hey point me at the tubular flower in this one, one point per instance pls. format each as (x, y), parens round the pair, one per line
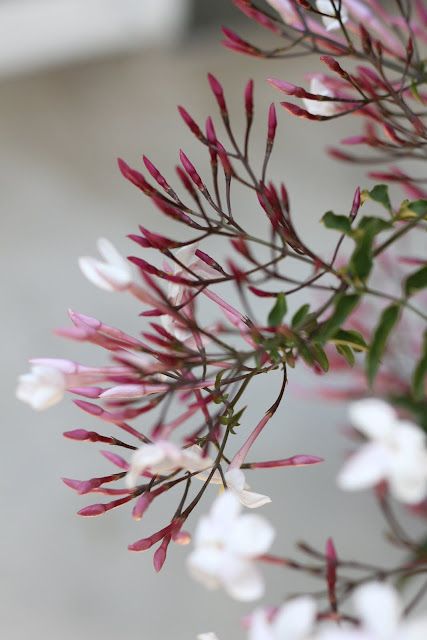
(331, 9)
(396, 452)
(226, 547)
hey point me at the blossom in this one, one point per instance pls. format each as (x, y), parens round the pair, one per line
(227, 544)
(42, 387)
(114, 274)
(207, 636)
(380, 612)
(293, 621)
(319, 107)
(396, 452)
(235, 479)
(164, 457)
(330, 8)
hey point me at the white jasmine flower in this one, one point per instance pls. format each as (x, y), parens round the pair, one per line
(293, 621)
(227, 544)
(164, 457)
(235, 479)
(330, 8)
(207, 636)
(42, 387)
(379, 609)
(396, 452)
(114, 274)
(317, 107)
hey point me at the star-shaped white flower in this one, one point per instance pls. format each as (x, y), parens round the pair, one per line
(227, 544)
(329, 7)
(293, 621)
(396, 452)
(42, 387)
(378, 607)
(114, 274)
(319, 107)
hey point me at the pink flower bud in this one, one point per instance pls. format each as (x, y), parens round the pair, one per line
(218, 93)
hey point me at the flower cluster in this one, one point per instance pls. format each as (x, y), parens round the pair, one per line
(186, 380)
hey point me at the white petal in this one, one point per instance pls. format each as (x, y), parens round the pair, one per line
(110, 254)
(242, 579)
(409, 487)
(112, 275)
(251, 535)
(372, 417)
(260, 628)
(225, 509)
(207, 636)
(378, 606)
(365, 468)
(204, 564)
(42, 388)
(252, 500)
(295, 619)
(235, 479)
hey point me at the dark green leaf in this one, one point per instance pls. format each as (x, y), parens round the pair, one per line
(278, 312)
(339, 223)
(344, 305)
(416, 281)
(387, 321)
(420, 373)
(373, 225)
(300, 315)
(380, 194)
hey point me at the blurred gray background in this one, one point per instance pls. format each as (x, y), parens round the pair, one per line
(78, 89)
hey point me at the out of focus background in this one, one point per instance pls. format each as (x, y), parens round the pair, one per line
(82, 82)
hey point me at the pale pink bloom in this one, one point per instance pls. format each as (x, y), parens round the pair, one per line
(49, 378)
(379, 609)
(164, 457)
(329, 19)
(226, 547)
(396, 452)
(114, 274)
(288, 12)
(294, 620)
(42, 387)
(317, 107)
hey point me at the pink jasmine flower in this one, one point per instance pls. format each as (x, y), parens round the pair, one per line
(329, 8)
(227, 544)
(318, 107)
(114, 274)
(396, 452)
(293, 621)
(42, 387)
(164, 457)
(380, 611)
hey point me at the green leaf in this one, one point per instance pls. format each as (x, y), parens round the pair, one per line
(300, 315)
(346, 353)
(350, 338)
(416, 281)
(320, 356)
(419, 207)
(420, 373)
(340, 223)
(373, 225)
(387, 321)
(380, 194)
(344, 305)
(278, 312)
